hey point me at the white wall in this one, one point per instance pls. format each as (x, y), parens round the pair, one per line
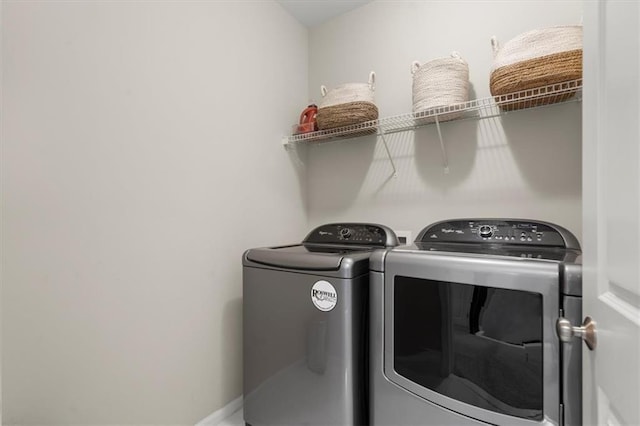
(140, 157)
(526, 164)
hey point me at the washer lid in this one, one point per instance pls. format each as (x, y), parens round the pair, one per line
(345, 262)
(295, 257)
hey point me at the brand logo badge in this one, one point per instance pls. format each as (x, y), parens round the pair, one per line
(324, 296)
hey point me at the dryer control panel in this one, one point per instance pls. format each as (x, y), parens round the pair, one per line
(499, 231)
(364, 234)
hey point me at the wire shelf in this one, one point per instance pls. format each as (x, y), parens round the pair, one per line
(360, 129)
(494, 106)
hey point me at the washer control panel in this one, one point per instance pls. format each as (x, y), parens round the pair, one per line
(499, 231)
(364, 234)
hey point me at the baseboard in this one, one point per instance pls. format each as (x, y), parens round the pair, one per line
(218, 416)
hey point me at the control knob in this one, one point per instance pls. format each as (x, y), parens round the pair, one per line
(345, 232)
(485, 231)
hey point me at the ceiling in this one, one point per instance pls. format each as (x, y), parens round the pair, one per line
(314, 12)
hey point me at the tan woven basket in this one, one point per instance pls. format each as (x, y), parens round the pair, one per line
(536, 59)
(347, 105)
(440, 83)
(347, 114)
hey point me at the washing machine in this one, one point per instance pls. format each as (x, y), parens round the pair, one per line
(305, 327)
(464, 326)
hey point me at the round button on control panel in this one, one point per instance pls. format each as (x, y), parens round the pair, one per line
(485, 231)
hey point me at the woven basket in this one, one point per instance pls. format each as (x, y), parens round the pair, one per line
(347, 114)
(536, 59)
(440, 83)
(347, 104)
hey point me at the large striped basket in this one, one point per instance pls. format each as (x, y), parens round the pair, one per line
(347, 104)
(536, 59)
(439, 83)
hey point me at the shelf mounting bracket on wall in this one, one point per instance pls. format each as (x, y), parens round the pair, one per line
(445, 160)
(386, 147)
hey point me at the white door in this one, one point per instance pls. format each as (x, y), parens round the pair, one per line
(611, 205)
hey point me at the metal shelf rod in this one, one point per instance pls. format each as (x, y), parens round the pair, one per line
(445, 160)
(386, 147)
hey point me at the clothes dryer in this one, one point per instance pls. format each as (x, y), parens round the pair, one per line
(305, 327)
(463, 326)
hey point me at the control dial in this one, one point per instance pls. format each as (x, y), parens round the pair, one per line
(345, 233)
(485, 231)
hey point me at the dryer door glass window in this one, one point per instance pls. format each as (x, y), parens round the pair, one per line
(479, 345)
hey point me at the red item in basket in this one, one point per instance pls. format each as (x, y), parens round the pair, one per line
(308, 120)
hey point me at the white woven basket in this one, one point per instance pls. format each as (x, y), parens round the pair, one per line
(535, 44)
(535, 59)
(438, 83)
(348, 92)
(347, 104)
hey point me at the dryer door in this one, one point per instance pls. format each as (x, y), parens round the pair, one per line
(475, 334)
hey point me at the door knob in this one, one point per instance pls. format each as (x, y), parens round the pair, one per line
(586, 332)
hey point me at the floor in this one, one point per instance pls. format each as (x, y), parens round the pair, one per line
(235, 419)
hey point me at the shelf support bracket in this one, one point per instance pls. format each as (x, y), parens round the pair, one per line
(445, 160)
(386, 148)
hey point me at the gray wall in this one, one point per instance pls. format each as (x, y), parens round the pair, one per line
(140, 156)
(526, 164)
